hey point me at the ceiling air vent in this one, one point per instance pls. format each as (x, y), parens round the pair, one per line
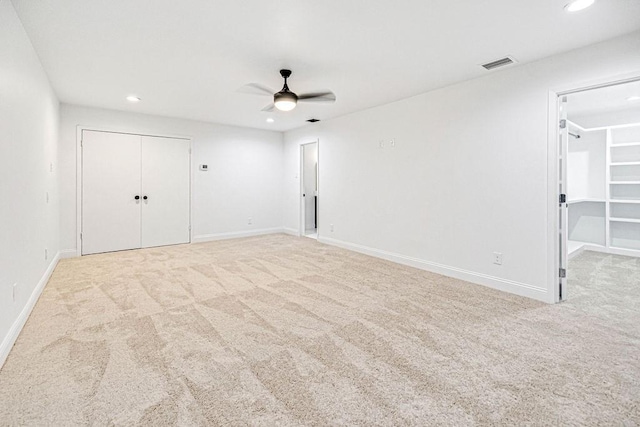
(313, 120)
(499, 63)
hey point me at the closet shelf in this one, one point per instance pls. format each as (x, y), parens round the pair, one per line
(632, 220)
(624, 201)
(571, 202)
(626, 164)
(626, 144)
(624, 182)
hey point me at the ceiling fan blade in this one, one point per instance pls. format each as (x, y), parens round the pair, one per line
(269, 107)
(326, 96)
(256, 89)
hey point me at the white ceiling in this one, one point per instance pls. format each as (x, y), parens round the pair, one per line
(188, 58)
(604, 100)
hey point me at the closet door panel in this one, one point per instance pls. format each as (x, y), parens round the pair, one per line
(165, 183)
(110, 182)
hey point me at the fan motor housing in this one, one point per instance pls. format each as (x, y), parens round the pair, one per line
(285, 96)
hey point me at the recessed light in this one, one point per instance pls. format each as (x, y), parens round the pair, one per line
(270, 120)
(133, 98)
(633, 98)
(577, 5)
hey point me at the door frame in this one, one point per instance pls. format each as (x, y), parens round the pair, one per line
(79, 130)
(302, 219)
(553, 179)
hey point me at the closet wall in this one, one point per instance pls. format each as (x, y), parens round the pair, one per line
(239, 195)
(586, 187)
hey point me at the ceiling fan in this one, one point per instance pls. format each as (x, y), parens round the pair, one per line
(285, 100)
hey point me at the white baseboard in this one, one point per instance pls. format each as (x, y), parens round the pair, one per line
(68, 253)
(291, 231)
(18, 324)
(604, 250)
(501, 284)
(576, 252)
(235, 235)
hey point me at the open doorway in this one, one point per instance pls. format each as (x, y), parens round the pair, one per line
(599, 184)
(309, 190)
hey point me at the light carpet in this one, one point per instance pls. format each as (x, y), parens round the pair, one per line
(278, 330)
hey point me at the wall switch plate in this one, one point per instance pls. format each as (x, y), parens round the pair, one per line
(47, 197)
(497, 258)
(204, 167)
(51, 167)
(250, 221)
(392, 143)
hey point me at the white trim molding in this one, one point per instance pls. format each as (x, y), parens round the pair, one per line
(11, 337)
(236, 234)
(291, 231)
(69, 253)
(602, 249)
(518, 288)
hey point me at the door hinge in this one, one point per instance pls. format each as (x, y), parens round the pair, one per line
(563, 273)
(560, 291)
(563, 198)
(563, 124)
(80, 236)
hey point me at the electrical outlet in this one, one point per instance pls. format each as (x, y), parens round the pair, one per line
(331, 227)
(392, 143)
(250, 221)
(497, 258)
(46, 254)
(381, 144)
(14, 289)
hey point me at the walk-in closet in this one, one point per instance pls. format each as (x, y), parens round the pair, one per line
(603, 170)
(599, 167)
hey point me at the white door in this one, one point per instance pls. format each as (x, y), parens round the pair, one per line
(165, 191)
(110, 184)
(563, 206)
(309, 189)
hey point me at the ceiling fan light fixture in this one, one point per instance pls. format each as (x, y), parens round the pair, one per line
(285, 100)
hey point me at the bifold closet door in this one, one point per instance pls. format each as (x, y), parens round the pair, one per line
(110, 183)
(165, 191)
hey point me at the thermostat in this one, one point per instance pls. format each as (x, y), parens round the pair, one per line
(204, 167)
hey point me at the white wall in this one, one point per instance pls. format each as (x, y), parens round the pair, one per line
(28, 224)
(586, 165)
(244, 178)
(468, 174)
(586, 179)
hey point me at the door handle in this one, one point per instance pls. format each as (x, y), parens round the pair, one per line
(145, 198)
(137, 197)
